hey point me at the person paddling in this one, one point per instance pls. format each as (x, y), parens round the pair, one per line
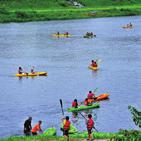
(91, 95)
(36, 128)
(90, 125)
(93, 63)
(20, 70)
(32, 70)
(58, 33)
(66, 127)
(27, 126)
(86, 103)
(74, 103)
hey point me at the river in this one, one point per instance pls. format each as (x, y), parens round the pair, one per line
(66, 60)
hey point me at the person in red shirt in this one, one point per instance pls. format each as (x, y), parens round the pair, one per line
(66, 127)
(36, 128)
(94, 64)
(74, 103)
(90, 125)
(91, 95)
(86, 103)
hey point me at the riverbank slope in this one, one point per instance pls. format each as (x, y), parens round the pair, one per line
(23, 11)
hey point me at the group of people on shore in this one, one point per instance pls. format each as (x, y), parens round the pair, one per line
(28, 130)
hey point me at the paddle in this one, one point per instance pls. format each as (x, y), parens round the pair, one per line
(61, 103)
(98, 61)
(87, 120)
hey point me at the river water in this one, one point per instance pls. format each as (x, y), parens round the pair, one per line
(66, 60)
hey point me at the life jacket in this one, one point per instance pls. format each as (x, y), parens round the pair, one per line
(86, 103)
(90, 123)
(74, 104)
(67, 125)
(36, 128)
(94, 64)
(90, 95)
(90, 101)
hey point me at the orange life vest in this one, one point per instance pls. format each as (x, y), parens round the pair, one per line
(67, 125)
(36, 128)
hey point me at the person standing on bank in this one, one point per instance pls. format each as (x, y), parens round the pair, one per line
(27, 126)
(90, 125)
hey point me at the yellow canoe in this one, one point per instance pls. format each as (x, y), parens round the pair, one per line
(61, 35)
(32, 74)
(93, 68)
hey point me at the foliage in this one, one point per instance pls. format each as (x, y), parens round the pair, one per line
(131, 135)
(136, 115)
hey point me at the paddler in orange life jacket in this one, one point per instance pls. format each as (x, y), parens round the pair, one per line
(74, 103)
(36, 128)
(94, 64)
(90, 125)
(66, 127)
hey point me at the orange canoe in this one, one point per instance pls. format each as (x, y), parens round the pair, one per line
(99, 98)
(102, 97)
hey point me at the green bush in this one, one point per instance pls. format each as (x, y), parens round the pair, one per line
(3, 11)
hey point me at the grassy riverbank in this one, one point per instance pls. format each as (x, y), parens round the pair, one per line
(29, 10)
(122, 135)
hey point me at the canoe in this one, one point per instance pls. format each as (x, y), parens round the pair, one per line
(83, 107)
(99, 98)
(93, 68)
(72, 130)
(91, 36)
(49, 132)
(127, 27)
(61, 35)
(102, 97)
(32, 74)
(97, 135)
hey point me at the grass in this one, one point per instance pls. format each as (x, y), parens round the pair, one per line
(122, 135)
(42, 10)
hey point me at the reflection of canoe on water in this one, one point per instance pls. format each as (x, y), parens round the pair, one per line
(61, 35)
(32, 74)
(93, 68)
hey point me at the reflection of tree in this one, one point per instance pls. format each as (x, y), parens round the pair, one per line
(136, 115)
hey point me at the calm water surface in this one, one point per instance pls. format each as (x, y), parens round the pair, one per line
(66, 61)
